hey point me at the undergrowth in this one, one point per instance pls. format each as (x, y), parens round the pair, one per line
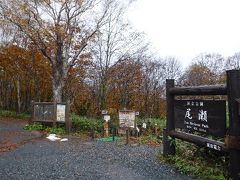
(199, 162)
(150, 140)
(13, 114)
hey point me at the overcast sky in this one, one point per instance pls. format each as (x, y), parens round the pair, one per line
(186, 28)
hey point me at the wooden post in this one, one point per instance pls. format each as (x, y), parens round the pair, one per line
(156, 130)
(55, 115)
(93, 133)
(233, 90)
(113, 133)
(127, 136)
(106, 128)
(31, 119)
(168, 145)
(68, 120)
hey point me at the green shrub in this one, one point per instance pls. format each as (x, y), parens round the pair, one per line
(13, 114)
(58, 130)
(35, 126)
(40, 127)
(86, 124)
(78, 124)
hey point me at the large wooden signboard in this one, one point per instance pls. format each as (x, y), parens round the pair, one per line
(204, 116)
(50, 112)
(45, 112)
(126, 118)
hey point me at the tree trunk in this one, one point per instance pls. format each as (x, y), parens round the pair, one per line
(37, 87)
(58, 85)
(103, 95)
(18, 96)
(125, 95)
(59, 77)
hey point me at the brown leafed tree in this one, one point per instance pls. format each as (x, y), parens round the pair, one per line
(124, 86)
(59, 29)
(20, 78)
(197, 75)
(213, 61)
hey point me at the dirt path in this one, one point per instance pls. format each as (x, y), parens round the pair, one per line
(13, 136)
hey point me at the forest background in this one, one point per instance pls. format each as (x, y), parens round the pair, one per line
(88, 53)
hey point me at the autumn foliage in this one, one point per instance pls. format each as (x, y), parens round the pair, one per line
(86, 52)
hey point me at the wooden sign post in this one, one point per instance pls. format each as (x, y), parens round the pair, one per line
(106, 129)
(127, 121)
(233, 91)
(205, 117)
(106, 118)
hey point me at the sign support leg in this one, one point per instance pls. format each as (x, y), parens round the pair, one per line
(55, 115)
(68, 120)
(127, 136)
(233, 90)
(168, 145)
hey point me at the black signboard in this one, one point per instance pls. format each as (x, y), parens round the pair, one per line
(204, 116)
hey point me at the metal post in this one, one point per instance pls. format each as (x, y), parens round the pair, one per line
(233, 90)
(168, 145)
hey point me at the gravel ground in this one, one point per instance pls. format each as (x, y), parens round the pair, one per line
(38, 158)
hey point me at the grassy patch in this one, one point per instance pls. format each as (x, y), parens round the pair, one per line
(13, 114)
(57, 130)
(198, 162)
(41, 127)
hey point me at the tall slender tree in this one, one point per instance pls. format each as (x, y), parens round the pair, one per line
(116, 42)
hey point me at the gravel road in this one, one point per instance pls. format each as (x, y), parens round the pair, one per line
(28, 155)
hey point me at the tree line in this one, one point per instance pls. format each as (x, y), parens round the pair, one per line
(85, 51)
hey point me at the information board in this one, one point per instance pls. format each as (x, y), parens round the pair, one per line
(204, 116)
(61, 112)
(126, 118)
(43, 112)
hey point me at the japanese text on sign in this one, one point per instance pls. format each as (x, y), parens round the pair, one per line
(214, 146)
(201, 116)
